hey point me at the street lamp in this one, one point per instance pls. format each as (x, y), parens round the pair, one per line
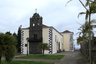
(27, 44)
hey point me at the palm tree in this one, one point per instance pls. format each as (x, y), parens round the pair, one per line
(84, 30)
(7, 46)
(91, 4)
(43, 46)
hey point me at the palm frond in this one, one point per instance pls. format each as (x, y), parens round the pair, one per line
(78, 23)
(94, 26)
(68, 2)
(81, 13)
(87, 12)
(87, 3)
(79, 40)
(93, 21)
(93, 8)
(77, 33)
(82, 4)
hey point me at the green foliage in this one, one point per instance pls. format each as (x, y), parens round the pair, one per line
(14, 34)
(10, 53)
(85, 31)
(25, 62)
(7, 46)
(79, 40)
(43, 57)
(43, 46)
(19, 39)
(8, 33)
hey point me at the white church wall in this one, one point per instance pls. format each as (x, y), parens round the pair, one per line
(61, 42)
(26, 35)
(45, 35)
(66, 41)
(45, 38)
(56, 39)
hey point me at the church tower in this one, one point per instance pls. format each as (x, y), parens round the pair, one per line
(35, 34)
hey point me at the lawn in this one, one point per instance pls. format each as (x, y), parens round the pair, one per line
(36, 56)
(24, 62)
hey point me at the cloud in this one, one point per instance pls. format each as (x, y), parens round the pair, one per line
(13, 13)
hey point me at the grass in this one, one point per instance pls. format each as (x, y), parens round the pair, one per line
(24, 62)
(36, 56)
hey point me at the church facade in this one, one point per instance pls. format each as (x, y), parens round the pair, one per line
(38, 32)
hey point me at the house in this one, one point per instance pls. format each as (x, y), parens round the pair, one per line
(68, 40)
(38, 32)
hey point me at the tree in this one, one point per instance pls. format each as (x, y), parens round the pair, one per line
(15, 36)
(83, 35)
(7, 46)
(19, 39)
(90, 7)
(8, 33)
(79, 40)
(84, 29)
(43, 46)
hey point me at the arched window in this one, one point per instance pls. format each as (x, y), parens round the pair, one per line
(35, 36)
(33, 24)
(38, 24)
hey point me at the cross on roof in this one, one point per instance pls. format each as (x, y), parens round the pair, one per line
(36, 10)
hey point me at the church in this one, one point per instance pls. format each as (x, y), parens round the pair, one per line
(38, 32)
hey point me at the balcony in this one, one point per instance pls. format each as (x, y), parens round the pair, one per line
(35, 40)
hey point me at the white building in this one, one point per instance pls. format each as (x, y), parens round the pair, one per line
(58, 41)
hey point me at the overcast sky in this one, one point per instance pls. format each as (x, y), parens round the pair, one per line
(14, 13)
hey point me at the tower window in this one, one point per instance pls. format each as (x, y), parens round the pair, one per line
(38, 24)
(94, 42)
(33, 24)
(35, 36)
(25, 45)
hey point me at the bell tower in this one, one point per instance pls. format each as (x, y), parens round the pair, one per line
(35, 34)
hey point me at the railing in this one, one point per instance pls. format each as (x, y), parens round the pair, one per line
(35, 40)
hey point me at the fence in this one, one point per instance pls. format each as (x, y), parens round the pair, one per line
(85, 48)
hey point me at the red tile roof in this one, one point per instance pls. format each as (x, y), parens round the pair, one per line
(67, 31)
(44, 26)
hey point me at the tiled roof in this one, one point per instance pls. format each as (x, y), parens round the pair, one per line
(67, 31)
(44, 26)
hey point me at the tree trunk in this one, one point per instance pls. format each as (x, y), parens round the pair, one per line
(0, 59)
(43, 52)
(90, 55)
(87, 50)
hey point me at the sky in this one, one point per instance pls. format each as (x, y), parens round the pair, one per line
(14, 13)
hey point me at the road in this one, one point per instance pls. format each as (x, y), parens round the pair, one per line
(72, 58)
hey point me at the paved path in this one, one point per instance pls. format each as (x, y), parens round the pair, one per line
(70, 58)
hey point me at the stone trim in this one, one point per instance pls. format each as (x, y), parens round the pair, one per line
(50, 40)
(71, 42)
(22, 41)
